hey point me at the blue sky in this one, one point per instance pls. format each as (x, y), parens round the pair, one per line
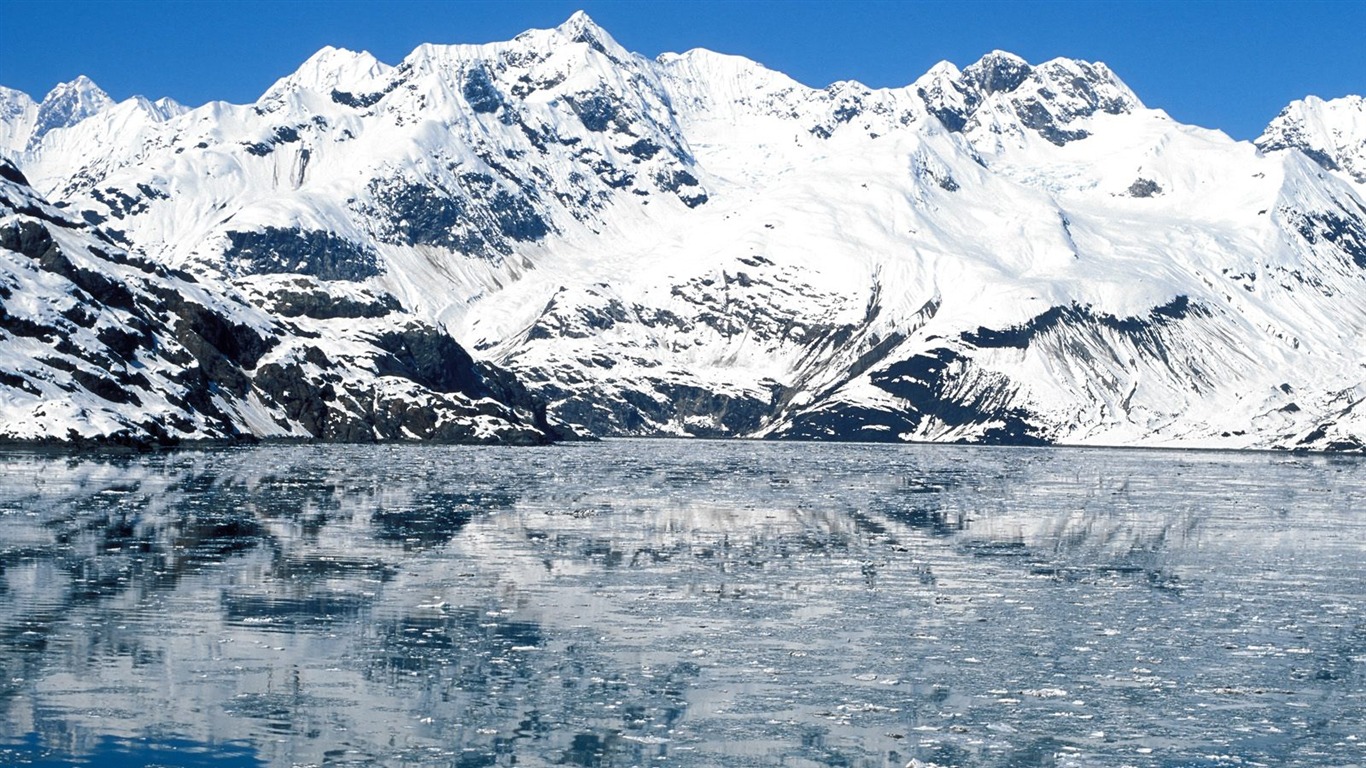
(1228, 65)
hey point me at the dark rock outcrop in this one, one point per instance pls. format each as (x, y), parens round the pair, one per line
(143, 356)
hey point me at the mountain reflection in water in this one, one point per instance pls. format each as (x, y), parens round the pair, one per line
(696, 603)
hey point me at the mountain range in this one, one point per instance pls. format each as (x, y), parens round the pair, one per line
(553, 237)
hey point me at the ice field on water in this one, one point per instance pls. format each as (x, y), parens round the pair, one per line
(672, 602)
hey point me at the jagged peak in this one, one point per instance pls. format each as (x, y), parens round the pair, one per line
(579, 28)
(1043, 96)
(1312, 106)
(939, 81)
(14, 96)
(81, 87)
(1004, 72)
(1331, 132)
(579, 22)
(331, 57)
(998, 71)
(69, 103)
(352, 63)
(1001, 55)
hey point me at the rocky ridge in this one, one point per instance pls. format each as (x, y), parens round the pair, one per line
(101, 345)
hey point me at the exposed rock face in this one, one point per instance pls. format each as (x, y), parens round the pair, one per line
(1331, 133)
(99, 345)
(68, 104)
(274, 251)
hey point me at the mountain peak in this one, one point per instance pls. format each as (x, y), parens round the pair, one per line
(332, 56)
(1045, 98)
(161, 110)
(69, 103)
(13, 102)
(330, 68)
(579, 23)
(579, 28)
(998, 71)
(169, 107)
(1331, 132)
(80, 87)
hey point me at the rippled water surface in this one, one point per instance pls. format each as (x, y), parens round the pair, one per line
(682, 603)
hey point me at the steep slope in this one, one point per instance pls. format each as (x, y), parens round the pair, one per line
(697, 245)
(18, 114)
(1331, 133)
(98, 344)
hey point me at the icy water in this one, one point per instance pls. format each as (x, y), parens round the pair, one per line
(682, 603)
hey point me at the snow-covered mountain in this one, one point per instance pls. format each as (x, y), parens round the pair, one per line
(1331, 133)
(24, 122)
(698, 245)
(104, 346)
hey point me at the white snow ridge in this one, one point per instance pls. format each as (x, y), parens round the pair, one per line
(693, 245)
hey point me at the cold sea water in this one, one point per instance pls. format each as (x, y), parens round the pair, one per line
(682, 603)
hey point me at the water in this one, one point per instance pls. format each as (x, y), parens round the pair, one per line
(682, 603)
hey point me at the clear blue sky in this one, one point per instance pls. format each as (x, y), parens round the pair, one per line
(1228, 65)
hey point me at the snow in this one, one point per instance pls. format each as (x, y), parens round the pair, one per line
(18, 114)
(1332, 132)
(838, 223)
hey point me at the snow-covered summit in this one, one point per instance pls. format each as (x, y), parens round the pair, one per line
(24, 123)
(1332, 133)
(163, 108)
(1001, 93)
(331, 69)
(68, 104)
(579, 28)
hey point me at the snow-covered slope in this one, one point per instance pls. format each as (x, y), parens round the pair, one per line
(1332, 133)
(699, 245)
(18, 114)
(100, 345)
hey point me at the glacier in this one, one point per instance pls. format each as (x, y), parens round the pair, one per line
(696, 245)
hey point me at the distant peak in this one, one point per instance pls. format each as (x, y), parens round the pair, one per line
(998, 71)
(329, 53)
(1330, 132)
(1092, 82)
(330, 60)
(328, 69)
(69, 103)
(11, 100)
(998, 55)
(578, 22)
(81, 85)
(579, 28)
(164, 108)
(943, 70)
(578, 18)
